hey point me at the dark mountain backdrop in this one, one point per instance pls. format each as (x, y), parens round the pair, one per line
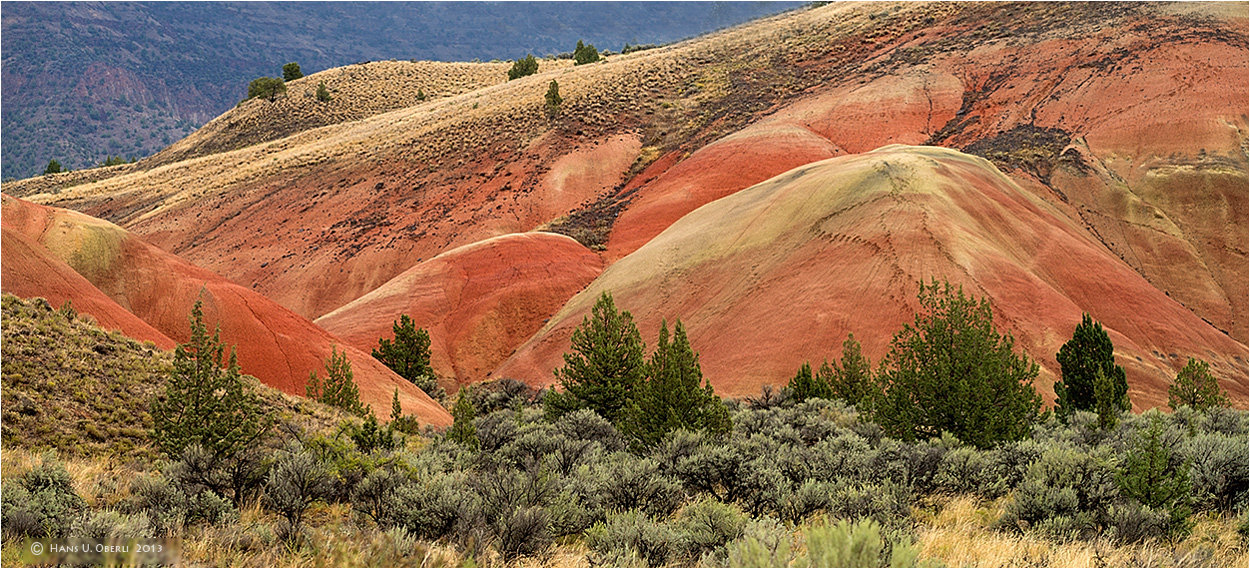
(86, 80)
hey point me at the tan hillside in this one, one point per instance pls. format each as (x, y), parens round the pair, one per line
(1126, 121)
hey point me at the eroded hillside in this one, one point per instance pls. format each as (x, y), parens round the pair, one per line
(1121, 130)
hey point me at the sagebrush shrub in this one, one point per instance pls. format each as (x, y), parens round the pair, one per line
(296, 480)
(108, 525)
(627, 482)
(706, 526)
(632, 535)
(858, 544)
(42, 502)
(1218, 471)
(523, 532)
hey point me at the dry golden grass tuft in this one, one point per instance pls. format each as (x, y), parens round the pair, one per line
(959, 534)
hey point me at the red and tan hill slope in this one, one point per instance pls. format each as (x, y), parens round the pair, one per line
(1017, 83)
(1126, 122)
(274, 344)
(478, 302)
(781, 272)
(29, 271)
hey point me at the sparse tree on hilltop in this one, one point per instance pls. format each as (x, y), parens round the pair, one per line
(323, 94)
(266, 88)
(54, 167)
(553, 98)
(523, 67)
(291, 72)
(585, 53)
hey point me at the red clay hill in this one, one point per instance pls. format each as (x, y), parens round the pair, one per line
(1124, 123)
(478, 302)
(29, 271)
(273, 344)
(781, 272)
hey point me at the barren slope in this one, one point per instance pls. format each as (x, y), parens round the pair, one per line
(1017, 83)
(478, 302)
(779, 273)
(1127, 123)
(274, 344)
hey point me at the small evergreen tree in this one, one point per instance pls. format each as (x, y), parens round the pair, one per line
(291, 72)
(206, 401)
(851, 380)
(553, 98)
(54, 167)
(1153, 478)
(951, 371)
(406, 424)
(462, 429)
(1080, 358)
(266, 88)
(409, 356)
(1106, 403)
(339, 388)
(674, 395)
(323, 94)
(585, 53)
(605, 366)
(1196, 387)
(804, 385)
(420, 95)
(523, 67)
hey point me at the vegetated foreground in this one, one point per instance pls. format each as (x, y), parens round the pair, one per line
(790, 484)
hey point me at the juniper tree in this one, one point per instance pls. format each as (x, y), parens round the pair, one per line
(585, 53)
(338, 389)
(409, 356)
(952, 371)
(806, 385)
(291, 72)
(54, 167)
(266, 88)
(1196, 387)
(851, 380)
(674, 395)
(206, 401)
(462, 429)
(523, 67)
(605, 366)
(553, 98)
(323, 94)
(1080, 359)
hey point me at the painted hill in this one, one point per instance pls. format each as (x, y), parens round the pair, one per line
(478, 302)
(30, 271)
(779, 273)
(273, 344)
(1124, 124)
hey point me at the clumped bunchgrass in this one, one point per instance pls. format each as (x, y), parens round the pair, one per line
(71, 386)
